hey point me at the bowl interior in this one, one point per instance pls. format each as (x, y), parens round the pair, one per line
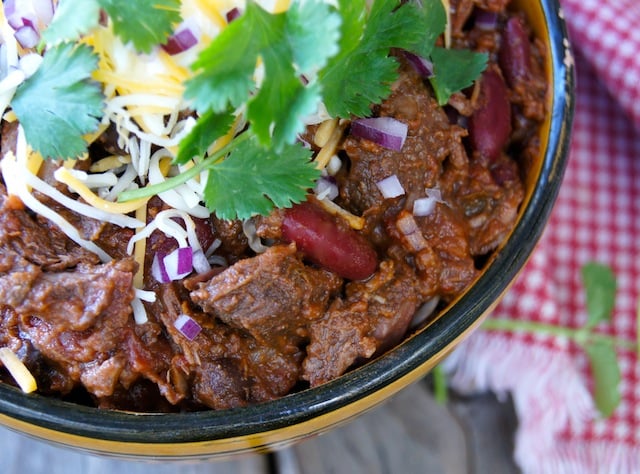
(268, 425)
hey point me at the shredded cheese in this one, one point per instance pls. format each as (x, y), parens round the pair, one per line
(328, 151)
(324, 132)
(140, 249)
(64, 176)
(18, 370)
(355, 222)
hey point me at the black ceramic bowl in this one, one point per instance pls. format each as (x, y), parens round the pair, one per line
(294, 417)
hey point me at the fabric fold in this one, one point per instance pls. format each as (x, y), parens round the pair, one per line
(595, 218)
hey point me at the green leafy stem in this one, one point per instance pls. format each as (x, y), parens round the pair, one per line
(170, 183)
(601, 349)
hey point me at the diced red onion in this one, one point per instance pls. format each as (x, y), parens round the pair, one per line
(34, 13)
(422, 66)
(27, 36)
(179, 263)
(424, 206)
(187, 326)
(232, 14)
(385, 131)
(180, 41)
(485, 20)
(390, 187)
(200, 262)
(326, 188)
(158, 270)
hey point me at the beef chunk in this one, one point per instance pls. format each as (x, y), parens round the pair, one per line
(224, 367)
(374, 316)
(273, 296)
(72, 300)
(22, 234)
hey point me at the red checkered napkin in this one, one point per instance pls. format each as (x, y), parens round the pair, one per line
(596, 218)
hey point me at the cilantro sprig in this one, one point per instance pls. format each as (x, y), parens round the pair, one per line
(143, 23)
(599, 285)
(60, 103)
(274, 68)
(311, 53)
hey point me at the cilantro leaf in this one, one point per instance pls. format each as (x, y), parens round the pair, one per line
(364, 71)
(606, 375)
(145, 23)
(290, 44)
(252, 180)
(312, 31)
(225, 80)
(70, 22)
(454, 70)
(60, 103)
(209, 127)
(600, 291)
(277, 111)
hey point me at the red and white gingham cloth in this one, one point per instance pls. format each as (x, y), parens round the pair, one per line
(596, 218)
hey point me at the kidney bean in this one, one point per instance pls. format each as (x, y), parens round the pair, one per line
(490, 124)
(337, 248)
(515, 52)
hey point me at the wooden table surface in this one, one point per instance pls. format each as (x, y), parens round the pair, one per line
(411, 433)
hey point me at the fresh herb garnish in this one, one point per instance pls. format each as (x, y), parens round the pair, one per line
(599, 284)
(454, 70)
(144, 23)
(267, 180)
(276, 68)
(362, 73)
(60, 103)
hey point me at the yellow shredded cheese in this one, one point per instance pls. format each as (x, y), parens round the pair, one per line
(109, 163)
(281, 6)
(18, 370)
(212, 8)
(139, 249)
(324, 132)
(324, 155)
(355, 222)
(64, 176)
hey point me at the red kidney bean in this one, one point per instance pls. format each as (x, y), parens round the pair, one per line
(337, 248)
(515, 52)
(490, 124)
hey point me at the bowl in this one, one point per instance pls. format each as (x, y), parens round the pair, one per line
(270, 425)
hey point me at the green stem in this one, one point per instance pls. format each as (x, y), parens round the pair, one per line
(183, 177)
(439, 385)
(577, 335)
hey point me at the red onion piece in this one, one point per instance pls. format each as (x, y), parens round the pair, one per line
(385, 131)
(158, 270)
(423, 66)
(180, 41)
(35, 13)
(390, 187)
(187, 326)
(232, 14)
(27, 36)
(485, 20)
(179, 263)
(200, 262)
